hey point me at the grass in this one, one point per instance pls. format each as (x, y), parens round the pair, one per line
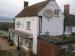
(64, 53)
(3, 33)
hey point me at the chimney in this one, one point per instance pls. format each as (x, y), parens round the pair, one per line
(50, 0)
(66, 9)
(25, 4)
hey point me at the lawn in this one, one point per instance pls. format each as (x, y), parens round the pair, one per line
(4, 33)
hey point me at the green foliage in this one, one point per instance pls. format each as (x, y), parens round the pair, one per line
(70, 38)
(4, 26)
(5, 53)
(47, 33)
(64, 53)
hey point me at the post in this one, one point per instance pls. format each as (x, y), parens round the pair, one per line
(18, 47)
(9, 36)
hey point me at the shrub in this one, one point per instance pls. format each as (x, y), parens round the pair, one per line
(64, 53)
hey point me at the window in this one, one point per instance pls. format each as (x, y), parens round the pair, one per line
(28, 25)
(18, 24)
(28, 43)
(64, 47)
(57, 12)
(21, 41)
(69, 30)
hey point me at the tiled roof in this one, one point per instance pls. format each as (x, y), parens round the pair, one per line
(22, 34)
(69, 20)
(32, 10)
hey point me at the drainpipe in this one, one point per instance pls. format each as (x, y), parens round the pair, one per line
(13, 24)
(64, 29)
(40, 24)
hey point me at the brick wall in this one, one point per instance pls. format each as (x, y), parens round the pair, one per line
(47, 49)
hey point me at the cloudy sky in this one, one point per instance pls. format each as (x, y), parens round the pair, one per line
(10, 8)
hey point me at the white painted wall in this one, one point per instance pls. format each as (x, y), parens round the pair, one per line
(33, 31)
(23, 21)
(68, 33)
(16, 39)
(73, 29)
(55, 25)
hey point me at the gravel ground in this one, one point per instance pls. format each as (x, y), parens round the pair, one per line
(4, 45)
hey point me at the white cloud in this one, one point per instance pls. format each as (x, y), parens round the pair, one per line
(12, 7)
(61, 4)
(33, 1)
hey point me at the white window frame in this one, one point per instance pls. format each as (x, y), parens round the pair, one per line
(69, 29)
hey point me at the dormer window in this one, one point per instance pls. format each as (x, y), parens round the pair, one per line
(57, 12)
(28, 25)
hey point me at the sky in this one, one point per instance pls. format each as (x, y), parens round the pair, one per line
(10, 8)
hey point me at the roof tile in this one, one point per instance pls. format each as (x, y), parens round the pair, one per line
(32, 10)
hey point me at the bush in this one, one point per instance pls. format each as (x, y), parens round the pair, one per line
(5, 26)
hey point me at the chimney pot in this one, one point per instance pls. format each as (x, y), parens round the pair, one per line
(25, 4)
(66, 9)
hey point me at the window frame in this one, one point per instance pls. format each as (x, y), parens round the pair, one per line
(28, 25)
(69, 29)
(56, 12)
(18, 24)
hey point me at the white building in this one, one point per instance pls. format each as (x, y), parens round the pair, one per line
(69, 24)
(43, 18)
(69, 21)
